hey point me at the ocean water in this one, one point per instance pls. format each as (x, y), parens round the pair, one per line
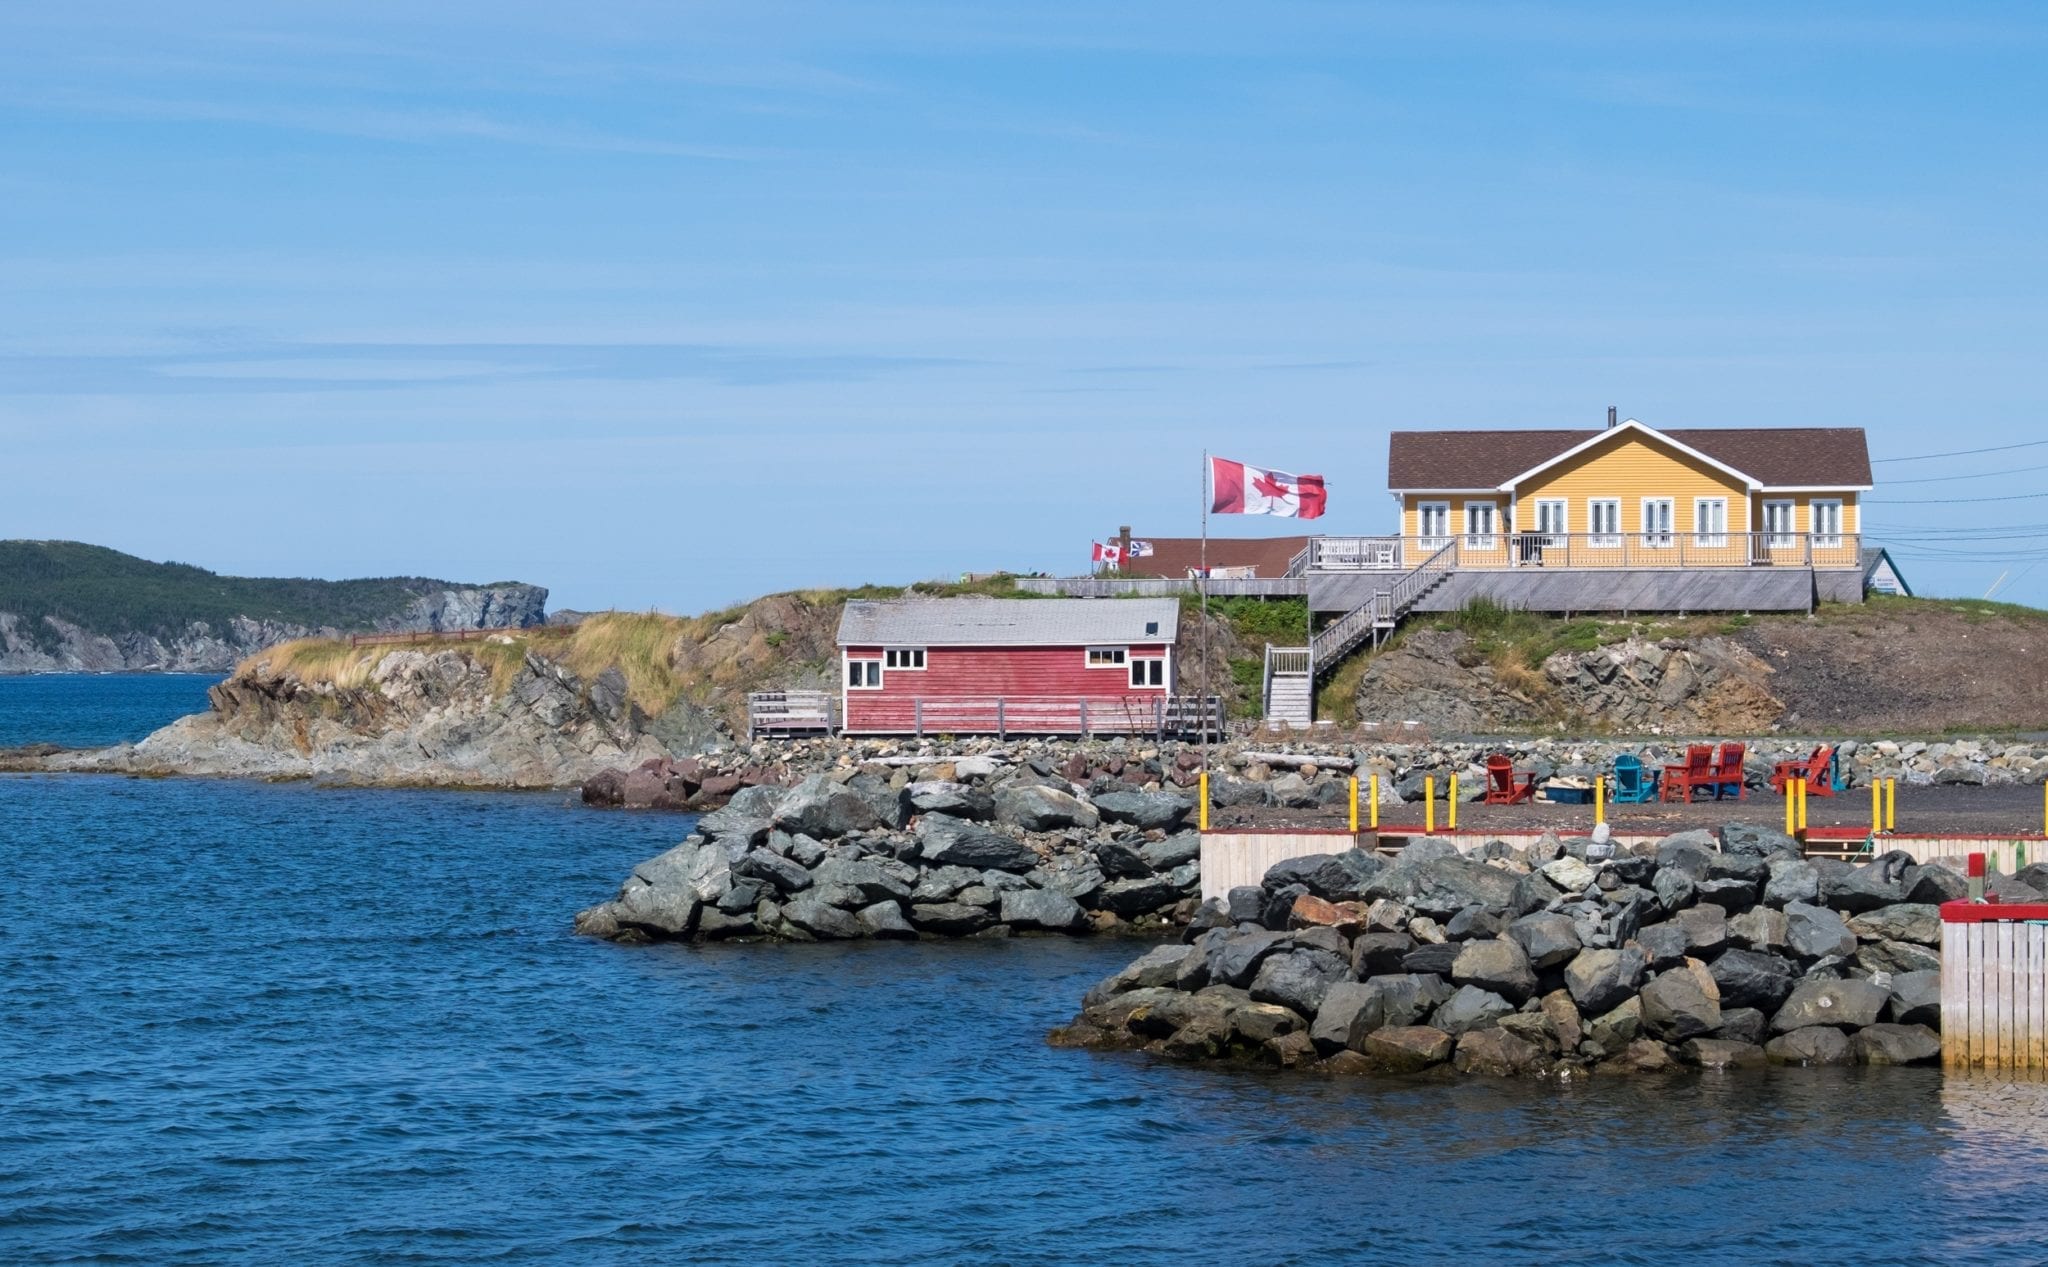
(250, 1023)
(83, 710)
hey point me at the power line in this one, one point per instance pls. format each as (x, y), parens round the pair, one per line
(1985, 475)
(1963, 453)
(1954, 501)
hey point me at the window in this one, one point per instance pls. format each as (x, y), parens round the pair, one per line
(1778, 530)
(1551, 521)
(1710, 521)
(1482, 520)
(1432, 523)
(864, 675)
(1148, 671)
(904, 657)
(1827, 523)
(1603, 520)
(1106, 657)
(1657, 521)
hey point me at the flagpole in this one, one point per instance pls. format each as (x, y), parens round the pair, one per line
(1202, 702)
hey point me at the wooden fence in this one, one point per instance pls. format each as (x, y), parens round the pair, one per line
(1994, 985)
(410, 637)
(790, 713)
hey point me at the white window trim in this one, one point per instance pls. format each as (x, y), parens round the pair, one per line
(1482, 540)
(890, 653)
(1785, 540)
(1163, 659)
(846, 672)
(1667, 538)
(1564, 516)
(1428, 540)
(1828, 540)
(1704, 538)
(1122, 657)
(1595, 537)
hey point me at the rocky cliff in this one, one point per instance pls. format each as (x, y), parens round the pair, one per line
(68, 608)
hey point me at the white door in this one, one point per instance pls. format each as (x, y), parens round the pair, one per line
(1657, 521)
(1710, 521)
(1778, 532)
(1432, 524)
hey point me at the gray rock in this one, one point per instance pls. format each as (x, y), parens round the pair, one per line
(1398, 1000)
(1548, 939)
(884, 921)
(1159, 966)
(1896, 1045)
(1934, 884)
(1499, 965)
(1468, 1008)
(1041, 908)
(1897, 956)
(1849, 1004)
(1132, 898)
(1495, 1052)
(1239, 959)
(1147, 811)
(1720, 1053)
(1405, 1048)
(1297, 979)
(1908, 921)
(1761, 929)
(1442, 887)
(1172, 852)
(1120, 861)
(1815, 932)
(874, 883)
(1760, 842)
(1436, 959)
(1859, 889)
(950, 919)
(1792, 880)
(1331, 1028)
(730, 825)
(1474, 923)
(774, 869)
(1618, 1028)
(824, 809)
(1706, 929)
(805, 852)
(947, 840)
(1037, 808)
(1814, 1045)
(820, 920)
(1664, 944)
(1682, 1003)
(954, 799)
(1753, 978)
(941, 883)
(1328, 876)
(1675, 889)
(1600, 979)
(1375, 953)
(1730, 894)
(1916, 999)
(758, 800)
(1743, 1025)
(1246, 904)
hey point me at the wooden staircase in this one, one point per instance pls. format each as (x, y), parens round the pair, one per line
(1376, 617)
(1290, 690)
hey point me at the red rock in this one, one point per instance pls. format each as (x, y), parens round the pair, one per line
(717, 787)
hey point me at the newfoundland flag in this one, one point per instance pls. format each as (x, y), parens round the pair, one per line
(1237, 489)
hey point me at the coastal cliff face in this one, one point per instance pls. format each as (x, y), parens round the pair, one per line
(202, 646)
(441, 718)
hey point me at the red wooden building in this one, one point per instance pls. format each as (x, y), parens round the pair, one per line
(1001, 665)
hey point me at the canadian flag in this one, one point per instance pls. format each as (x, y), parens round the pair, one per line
(1250, 490)
(1110, 554)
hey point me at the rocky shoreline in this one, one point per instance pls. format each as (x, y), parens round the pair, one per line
(1707, 949)
(988, 850)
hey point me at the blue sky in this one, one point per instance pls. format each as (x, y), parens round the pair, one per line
(668, 304)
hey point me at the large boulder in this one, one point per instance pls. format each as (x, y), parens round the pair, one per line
(821, 920)
(1441, 887)
(1159, 966)
(734, 826)
(1140, 896)
(826, 810)
(1599, 979)
(1405, 1048)
(1682, 1003)
(1376, 953)
(1035, 808)
(1498, 964)
(1815, 932)
(884, 921)
(1172, 852)
(1887, 1044)
(1048, 909)
(1753, 978)
(1850, 1004)
(1791, 880)
(1297, 979)
(1548, 938)
(950, 919)
(1915, 922)
(1916, 999)
(1858, 889)
(1332, 877)
(1933, 884)
(1758, 842)
(1395, 1000)
(1470, 1007)
(774, 869)
(1147, 811)
(1761, 928)
(1898, 956)
(1331, 1028)
(1496, 1052)
(874, 883)
(1237, 961)
(951, 841)
(955, 799)
(1814, 1045)
(1706, 928)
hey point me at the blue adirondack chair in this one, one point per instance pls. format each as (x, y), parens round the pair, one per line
(1633, 785)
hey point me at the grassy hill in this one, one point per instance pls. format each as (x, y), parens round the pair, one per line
(112, 593)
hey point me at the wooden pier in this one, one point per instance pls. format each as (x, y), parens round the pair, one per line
(1994, 985)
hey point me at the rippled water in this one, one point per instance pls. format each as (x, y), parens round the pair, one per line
(273, 1023)
(81, 710)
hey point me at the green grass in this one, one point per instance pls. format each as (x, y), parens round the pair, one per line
(1257, 621)
(113, 593)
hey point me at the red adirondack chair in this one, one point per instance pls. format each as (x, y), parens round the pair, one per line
(1816, 771)
(1728, 770)
(1697, 772)
(1506, 785)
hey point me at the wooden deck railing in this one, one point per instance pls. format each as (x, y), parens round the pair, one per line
(1002, 716)
(413, 637)
(790, 713)
(1495, 551)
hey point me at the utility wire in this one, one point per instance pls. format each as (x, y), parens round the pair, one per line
(1954, 501)
(1986, 475)
(1963, 453)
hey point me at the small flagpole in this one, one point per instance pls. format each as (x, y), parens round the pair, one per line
(1202, 701)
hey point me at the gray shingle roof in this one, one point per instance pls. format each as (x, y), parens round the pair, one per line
(1007, 622)
(1777, 457)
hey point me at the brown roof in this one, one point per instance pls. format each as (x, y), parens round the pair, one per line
(1778, 457)
(1175, 556)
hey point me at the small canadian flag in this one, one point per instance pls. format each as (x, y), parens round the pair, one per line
(1238, 489)
(1110, 554)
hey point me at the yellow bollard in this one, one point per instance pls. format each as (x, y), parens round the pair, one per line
(1354, 805)
(2044, 809)
(1599, 799)
(1204, 819)
(1877, 807)
(1791, 814)
(1375, 802)
(1451, 805)
(1429, 805)
(1891, 805)
(1802, 809)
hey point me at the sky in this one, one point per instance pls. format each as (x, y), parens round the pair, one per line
(665, 305)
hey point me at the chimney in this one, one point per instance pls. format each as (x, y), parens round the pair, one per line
(1611, 419)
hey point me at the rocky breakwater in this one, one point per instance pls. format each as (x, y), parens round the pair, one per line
(991, 851)
(1706, 949)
